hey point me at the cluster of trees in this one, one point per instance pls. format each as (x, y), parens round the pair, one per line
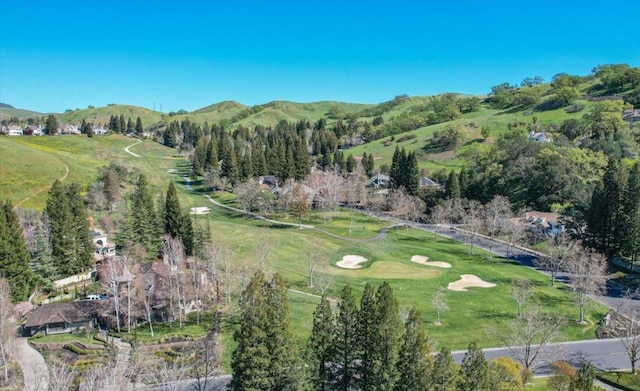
(404, 171)
(119, 125)
(367, 346)
(71, 245)
(616, 77)
(144, 224)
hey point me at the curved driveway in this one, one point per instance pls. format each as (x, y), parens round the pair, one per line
(34, 368)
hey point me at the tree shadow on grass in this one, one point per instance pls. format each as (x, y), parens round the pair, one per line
(551, 301)
(489, 313)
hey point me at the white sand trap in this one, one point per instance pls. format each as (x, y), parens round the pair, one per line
(200, 210)
(467, 281)
(421, 259)
(171, 170)
(351, 262)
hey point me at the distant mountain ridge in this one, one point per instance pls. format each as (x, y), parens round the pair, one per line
(6, 106)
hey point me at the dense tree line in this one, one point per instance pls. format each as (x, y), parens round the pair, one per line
(404, 171)
(118, 124)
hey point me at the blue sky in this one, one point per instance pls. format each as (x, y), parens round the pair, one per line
(57, 55)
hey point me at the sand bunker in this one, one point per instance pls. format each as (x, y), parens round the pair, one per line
(351, 262)
(171, 170)
(467, 281)
(421, 259)
(200, 210)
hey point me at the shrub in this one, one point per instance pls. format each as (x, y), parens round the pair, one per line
(406, 137)
(505, 373)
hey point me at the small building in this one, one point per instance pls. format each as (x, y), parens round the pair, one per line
(545, 221)
(100, 131)
(428, 182)
(33, 130)
(379, 181)
(56, 318)
(268, 180)
(631, 115)
(14, 130)
(539, 137)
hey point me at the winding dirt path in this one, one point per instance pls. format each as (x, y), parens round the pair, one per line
(134, 144)
(66, 174)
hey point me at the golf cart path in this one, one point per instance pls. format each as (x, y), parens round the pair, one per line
(134, 144)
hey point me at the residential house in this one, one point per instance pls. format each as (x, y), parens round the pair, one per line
(427, 182)
(14, 130)
(379, 181)
(33, 130)
(288, 193)
(100, 131)
(268, 180)
(69, 129)
(631, 115)
(544, 221)
(540, 137)
(56, 318)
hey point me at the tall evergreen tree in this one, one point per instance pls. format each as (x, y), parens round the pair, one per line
(301, 156)
(396, 171)
(320, 345)
(59, 214)
(14, 255)
(229, 167)
(142, 225)
(387, 339)
(415, 363)
(139, 129)
(122, 124)
(51, 125)
(452, 187)
(367, 324)
(130, 126)
(172, 212)
(412, 174)
(445, 371)
(211, 163)
(351, 163)
(631, 243)
(475, 370)
(81, 244)
(346, 342)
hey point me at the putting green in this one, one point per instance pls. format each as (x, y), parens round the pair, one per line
(388, 270)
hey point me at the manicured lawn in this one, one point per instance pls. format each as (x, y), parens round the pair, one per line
(84, 338)
(623, 379)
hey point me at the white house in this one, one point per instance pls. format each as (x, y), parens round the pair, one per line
(14, 130)
(100, 131)
(540, 137)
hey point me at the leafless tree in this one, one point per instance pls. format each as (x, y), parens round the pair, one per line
(513, 232)
(521, 291)
(263, 252)
(472, 221)
(559, 246)
(248, 194)
(313, 259)
(439, 216)
(440, 305)
(61, 377)
(527, 338)
(207, 356)
(415, 208)
(328, 185)
(113, 277)
(588, 275)
(495, 214)
(324, 281)
(627, 326)
(377, 204)
(130, 269)
(174, 256)
(170, 375)
(6, 326)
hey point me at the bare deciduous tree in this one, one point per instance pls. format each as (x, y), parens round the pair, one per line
(495, 214)
(439, 217)
(588, 275)
(472, 221)
(324, 280)
(174, 256)
(514, 231)
(207, 356)
(6, 326)
(440, 305)
(627, 326)
(61, 377)
(559, 246)
(527, 338)
(112, 280)
(248, 194)
(521, 291)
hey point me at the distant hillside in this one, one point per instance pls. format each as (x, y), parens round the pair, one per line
(7, 112)
(6, 106)
(101, 115)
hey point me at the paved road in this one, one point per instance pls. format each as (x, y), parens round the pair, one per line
(34, 368)
(605, 354)
(218, 383)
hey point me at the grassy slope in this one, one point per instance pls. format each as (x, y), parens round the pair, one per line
(35, 162)
(101, 115)
(20, 113)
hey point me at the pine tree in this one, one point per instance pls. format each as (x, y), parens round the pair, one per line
(139, 129)
(130, 126)
(250, 360)
(387, 339)
(475, 370)
(452, 187)
(229, 167)
(320, 345)
(351, 163)
(395, 173)
(51, 125)
(415, 363)
(412, 174)
(81, 244)
(122, 125)
(346, 342)
(172, 212)
(187, 234)
(280, 339)
(59, 214)
(367, 327)
(142, 225)
(14, 255)
(301, 156)
(631, 243)
(445, 371)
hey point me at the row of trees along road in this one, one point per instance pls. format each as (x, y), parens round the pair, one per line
(369, 347)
